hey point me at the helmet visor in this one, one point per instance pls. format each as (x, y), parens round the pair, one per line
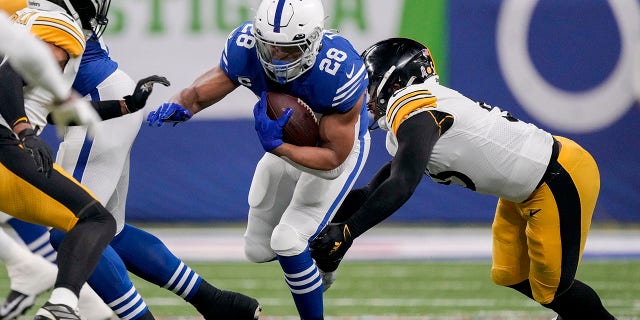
(283, 62)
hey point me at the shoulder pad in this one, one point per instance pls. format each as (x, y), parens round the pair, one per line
(54, 27)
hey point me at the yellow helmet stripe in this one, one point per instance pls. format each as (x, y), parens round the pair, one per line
(406, 105)
(61, 33)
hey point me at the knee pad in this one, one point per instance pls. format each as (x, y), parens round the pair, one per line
(505, 277)
(286, 241)
(258, 251)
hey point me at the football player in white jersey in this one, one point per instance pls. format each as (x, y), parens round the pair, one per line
(295, 190)
(547, 185)
(57, 23)
(40, 192)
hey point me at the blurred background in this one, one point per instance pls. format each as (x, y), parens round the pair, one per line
(570, 67)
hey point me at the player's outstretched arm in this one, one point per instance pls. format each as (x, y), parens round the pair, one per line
(109, 109)
(206, 90)
(416, 138)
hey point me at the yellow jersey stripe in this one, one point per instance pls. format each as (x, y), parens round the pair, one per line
(407, 104)
(402, 100)
(439, 123)
(60, 33)
(11, 6)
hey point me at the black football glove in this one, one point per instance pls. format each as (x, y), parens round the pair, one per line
(330, 246)
(138, 98)
(38, 149)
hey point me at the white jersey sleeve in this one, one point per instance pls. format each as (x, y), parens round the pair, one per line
(62, 30)
(31, 58)
(485, 149)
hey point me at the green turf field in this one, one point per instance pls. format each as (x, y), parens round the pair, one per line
(399, 290)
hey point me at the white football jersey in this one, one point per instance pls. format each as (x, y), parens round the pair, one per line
(58, 28)
(485, 150)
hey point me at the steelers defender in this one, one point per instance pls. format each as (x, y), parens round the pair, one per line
(36, 190)
(58, 23)
(547, 185)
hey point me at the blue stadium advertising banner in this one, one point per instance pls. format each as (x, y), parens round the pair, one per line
(570, 67)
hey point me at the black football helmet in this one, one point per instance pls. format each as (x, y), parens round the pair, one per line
(92, 14)
(393, 64)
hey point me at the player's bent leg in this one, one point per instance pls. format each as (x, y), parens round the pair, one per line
(88, 238)
(510, 260)
(301, 274)
(270, 193)
(257, 238)
(110, 280)
(139, 249)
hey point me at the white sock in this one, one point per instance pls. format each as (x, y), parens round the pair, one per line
(64, 296)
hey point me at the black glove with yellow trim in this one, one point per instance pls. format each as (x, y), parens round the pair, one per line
(331, 245)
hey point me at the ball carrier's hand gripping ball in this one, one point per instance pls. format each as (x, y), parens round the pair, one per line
(302, 128)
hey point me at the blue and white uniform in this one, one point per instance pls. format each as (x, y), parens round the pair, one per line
(289, 206)
(102, 164)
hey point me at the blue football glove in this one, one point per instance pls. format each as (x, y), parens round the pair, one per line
(269, 131)
(168, 112)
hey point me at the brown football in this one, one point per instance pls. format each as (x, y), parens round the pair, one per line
(302, 128)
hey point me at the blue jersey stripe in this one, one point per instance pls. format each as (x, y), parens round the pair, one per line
(353, 175)
(278, 17)
(83, 158)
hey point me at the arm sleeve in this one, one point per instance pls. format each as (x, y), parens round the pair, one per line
(416, 138)
(11, 98)
(356, 197)
(31, 59)
(107, 109)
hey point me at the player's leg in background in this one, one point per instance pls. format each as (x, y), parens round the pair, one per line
(35, 271)
(102, 164)
(29, 276)
(111, 282)
(35, 237)
(140, 249)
